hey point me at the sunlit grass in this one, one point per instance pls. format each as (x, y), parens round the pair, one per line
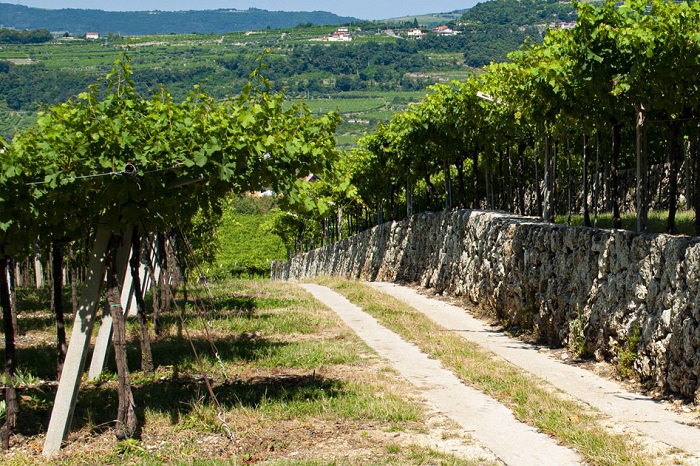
(657, 221)
(532, 400)
(290, 364)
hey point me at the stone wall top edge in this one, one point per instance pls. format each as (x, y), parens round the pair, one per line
(507, 218)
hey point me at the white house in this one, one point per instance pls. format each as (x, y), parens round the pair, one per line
(92, 35)
(444, 31)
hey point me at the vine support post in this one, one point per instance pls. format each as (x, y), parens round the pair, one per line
(104, 334)
(67, 393)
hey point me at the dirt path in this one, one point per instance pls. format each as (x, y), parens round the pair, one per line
(638, 411)
(490, 422)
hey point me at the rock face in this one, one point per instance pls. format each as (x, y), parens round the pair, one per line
(633, 299)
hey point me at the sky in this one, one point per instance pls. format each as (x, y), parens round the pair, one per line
(363, 9)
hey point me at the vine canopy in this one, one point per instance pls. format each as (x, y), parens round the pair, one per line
(113, 157)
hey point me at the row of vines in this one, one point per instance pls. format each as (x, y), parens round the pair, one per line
(602, 116)
(116, 161)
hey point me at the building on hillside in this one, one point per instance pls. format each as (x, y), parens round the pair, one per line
(341, 35)
(567, 25)
(416, 33)
(92, 35)
(444, 31)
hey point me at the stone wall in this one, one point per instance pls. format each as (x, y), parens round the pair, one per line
(603, 288)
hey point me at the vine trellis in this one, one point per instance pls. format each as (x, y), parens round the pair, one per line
(64, 179)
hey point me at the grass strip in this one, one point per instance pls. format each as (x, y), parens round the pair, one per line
(657, 221)
(532, 400)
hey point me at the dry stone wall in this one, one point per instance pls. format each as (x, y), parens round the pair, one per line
(613, 294)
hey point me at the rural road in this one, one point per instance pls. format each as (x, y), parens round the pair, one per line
(485, 418)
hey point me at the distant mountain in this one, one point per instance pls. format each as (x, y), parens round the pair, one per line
(78, 22)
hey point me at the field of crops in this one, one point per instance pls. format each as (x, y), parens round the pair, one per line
(48, 73)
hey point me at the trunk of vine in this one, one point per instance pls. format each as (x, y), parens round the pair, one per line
(674, 156)
(547, 197)
(340, 222)
(596, 187)
(73, 279)
(642, 198)
(460, 182)
(155, 285)
(537, 185)
(126, 423)
(614, 178)
(448, 185)
(12, 280)
(586, 213)
(61, 345)
(521, 176)
(555, 186)
(134, 263)
(430, 193)
(569, 180)
(409, 199)
(475, 178)
(164, 280)
(502, 182)
(11, 403)
(696, 179)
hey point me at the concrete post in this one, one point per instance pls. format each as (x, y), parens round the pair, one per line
(104, 334)
(64, 403)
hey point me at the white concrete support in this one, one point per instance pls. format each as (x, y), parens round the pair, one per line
(64, 403)
(38, 267)
(11, 287)
(104, 334)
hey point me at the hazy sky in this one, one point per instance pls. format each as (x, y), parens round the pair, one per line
(364, 9)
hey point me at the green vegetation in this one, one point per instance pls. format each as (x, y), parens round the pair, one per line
(36, 36)
(132, 168)
(577, 337)
(532, 400)
(521, 12)
(78, 22)
(566, 126)
(297, 388)
(245, 245)
(626, 354)
(657, 221)
(380, 62)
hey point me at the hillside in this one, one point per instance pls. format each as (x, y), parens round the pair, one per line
(520, 12)
(78, 22)
(368, 79)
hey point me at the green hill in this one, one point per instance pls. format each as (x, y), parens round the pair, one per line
(520, 12)
(78, 22)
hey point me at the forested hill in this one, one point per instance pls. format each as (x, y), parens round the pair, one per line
(78, 22)
(520, 12)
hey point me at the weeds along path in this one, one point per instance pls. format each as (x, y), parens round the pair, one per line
(489, 422)
(633, 409)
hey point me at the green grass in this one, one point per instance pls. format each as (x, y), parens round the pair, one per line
(294, 376)
(246, 246)
(532, 400)
(657, 223)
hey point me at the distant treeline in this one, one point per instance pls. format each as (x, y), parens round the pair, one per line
(520, 12)
(77, 21)
(36, 36)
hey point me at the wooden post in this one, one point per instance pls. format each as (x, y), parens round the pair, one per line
(64, 403)
(104, 335)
